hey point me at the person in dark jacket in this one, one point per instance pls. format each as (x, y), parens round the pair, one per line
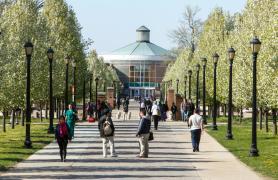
(62, 136)
(107, 136)
(174, 110)
(143, 134)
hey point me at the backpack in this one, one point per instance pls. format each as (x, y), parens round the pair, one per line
(107, 129)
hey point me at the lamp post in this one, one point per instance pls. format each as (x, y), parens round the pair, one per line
(197, 85)
(50, 54)
(97, 79)
(229, 135)
(189, 88)
(177, 81)
(255, 45)
(90, 87)
(204, 61)
(74, 80)
(28, 51)
(215, 60)
(67, 60)
(185, 79)
(84, 99)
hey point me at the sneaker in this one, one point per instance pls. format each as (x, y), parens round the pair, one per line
(114, 155)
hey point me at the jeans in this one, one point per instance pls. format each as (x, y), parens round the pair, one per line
(195, 138)
(63, 148)
(182, 116)
(105, 141)
(155, 120)
(144, 144)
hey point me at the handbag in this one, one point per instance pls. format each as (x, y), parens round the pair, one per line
(151, 136)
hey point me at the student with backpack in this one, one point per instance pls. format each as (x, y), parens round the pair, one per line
(106, 130)
(62, 136)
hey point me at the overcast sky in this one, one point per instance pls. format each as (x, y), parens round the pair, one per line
(111, 24)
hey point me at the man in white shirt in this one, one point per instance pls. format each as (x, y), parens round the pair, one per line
(196, 128)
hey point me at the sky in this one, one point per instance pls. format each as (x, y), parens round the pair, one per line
(112, 24)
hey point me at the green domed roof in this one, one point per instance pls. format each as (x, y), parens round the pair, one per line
(141, 49)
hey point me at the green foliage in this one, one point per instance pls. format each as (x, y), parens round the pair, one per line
(221, 31)
(55, 25)
(97, 68)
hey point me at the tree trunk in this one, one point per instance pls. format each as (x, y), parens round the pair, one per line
(41, 111)
(57, 108)
(225, 110)
(274, 117)
(4, 121)
(63, 107)
(266, 121)
(261, 118)
(46, 110)
(241, 115)
(22, 117)
(13, 118)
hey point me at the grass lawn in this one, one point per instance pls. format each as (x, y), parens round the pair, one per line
(266, 163)
(12, 143)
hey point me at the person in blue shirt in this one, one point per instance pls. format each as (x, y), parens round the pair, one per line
(143, 134)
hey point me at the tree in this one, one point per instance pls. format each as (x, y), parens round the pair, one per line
(187, 34)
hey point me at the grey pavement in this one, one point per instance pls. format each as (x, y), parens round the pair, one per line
(170, 157)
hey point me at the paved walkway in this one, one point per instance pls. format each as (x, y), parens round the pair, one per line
(171, 157)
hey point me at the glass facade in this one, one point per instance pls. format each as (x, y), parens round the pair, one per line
(141, 77)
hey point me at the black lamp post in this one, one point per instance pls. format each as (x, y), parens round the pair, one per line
(97, 79)
(204, 61)
(197, 85)
(177, 81)
(229, 135)
(255, 45)
(215, 60)
(185, 79)
(50, 54)
(74, 80)
(28, 51)
(84, 99)
(67, 60)
(90, 88)
(189, 88)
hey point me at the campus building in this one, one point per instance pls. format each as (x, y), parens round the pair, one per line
(140, 65)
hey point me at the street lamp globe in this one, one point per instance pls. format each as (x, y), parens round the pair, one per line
(28, 48)
(204, 61)
(231, 53)
(50, 53)
(215, 58)
(67, 59)
(97, 79)
(255, 45)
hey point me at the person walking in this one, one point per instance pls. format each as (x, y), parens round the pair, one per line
(183, 110)
(156, 113)
(196, 128)
(118, 103)
(106, 131)
(125, 110)
(174, 110)
(143, 134)
(71, 117)
(62, 137)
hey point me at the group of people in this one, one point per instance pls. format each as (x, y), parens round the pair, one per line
(149, 110)
(64, 131)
